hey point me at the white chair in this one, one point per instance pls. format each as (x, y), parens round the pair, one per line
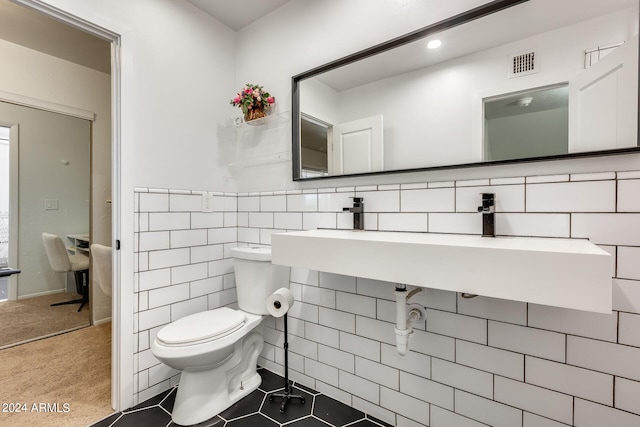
(61, 262)
(102, 266)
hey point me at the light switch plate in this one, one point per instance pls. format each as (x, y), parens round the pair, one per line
(51, 204)
(207, 203)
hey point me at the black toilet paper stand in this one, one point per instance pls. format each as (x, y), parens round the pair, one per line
(286, 394)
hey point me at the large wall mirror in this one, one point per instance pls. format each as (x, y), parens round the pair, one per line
(509, 81)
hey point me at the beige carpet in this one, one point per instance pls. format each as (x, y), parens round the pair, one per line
(60, 381)
(33, 318)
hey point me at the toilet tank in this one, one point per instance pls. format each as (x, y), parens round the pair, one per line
(257, 278)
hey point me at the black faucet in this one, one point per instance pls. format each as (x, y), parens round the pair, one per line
(358, 213)
(488, 220)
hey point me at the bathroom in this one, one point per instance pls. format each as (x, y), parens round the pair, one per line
(480, 361)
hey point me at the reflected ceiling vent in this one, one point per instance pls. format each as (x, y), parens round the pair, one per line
(523, 64)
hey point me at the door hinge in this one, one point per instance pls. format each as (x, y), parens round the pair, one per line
(117, 244)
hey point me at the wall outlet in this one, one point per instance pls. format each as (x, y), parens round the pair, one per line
(51, 204)
(207, 203)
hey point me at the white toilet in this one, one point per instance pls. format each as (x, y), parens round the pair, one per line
(217, 350)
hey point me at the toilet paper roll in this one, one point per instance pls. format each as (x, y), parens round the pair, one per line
(279, 302)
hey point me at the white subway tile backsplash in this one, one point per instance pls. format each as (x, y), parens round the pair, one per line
(189, 273)
(462, 377)
(629, 262)
(322, 334)
(626, 295)
(609, 358)
(248, 204)
(326, 373)
(537, 400)
(520, 339)
(413, 362)
(304, 311)
(607, 229)
(589, 196)
(590, 414)
(501, 362)
(225, 203)
(629, 195)
(188, 238)
(153, 241)
(380, 374)
(367, 390)
(508, 198)
(531, 224)
(428, 200)
(314, 220)
(627, 395)
(185, 202)
(222, 235)
(335, 319)
(159, 221)
(207, 219)
(337, 282)
(443, 418)
(153, 202)
(288, 220)
(457, 223)
(598, 176)
(494, 309)
(375, 329)
(168, 295)
(571, 380)
(206, 286)
(381, 201)
(427, 390)
(575, 322)
(154, 279)
(334, 202)
(410, 407)
(169, 258)
(207, 253)
(487, 411)
(318, 296)
(356, 304)
(410, 222)
(360, 346)
(628, 329)
(155, 317)
(457, 326)
(532, 420)
(433, 344)
(472, 183)
(338, 358)
(376, 411)
(249, 235)
(190, 306)
(302, 202)
(547, 178)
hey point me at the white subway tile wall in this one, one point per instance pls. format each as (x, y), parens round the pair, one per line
(474, 362)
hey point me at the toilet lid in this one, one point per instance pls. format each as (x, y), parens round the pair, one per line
(203, 326)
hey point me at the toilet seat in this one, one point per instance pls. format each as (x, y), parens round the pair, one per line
(202, 327)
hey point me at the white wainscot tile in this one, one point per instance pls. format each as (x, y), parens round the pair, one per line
(627, 395)
(490, 359)
(155, 317)
(413, 362)
(590, 414)
(532, 420)
(575, 322)
(222, 298)
(375, 411)
(273, 203)
(374, 288)
(160, 373)
(168, 295)
(314, 220)
(333, 392)
(360, 346)
(220, 267)
(326, 373)
(436, 298)
(260, 219)
(304, 311)
(302, 202)
(626, 295)
(188, 238)
(410, 407)
(357, 304)
(443, 418)
(185, 308)
(607, 229)
(338, 282)
(571, 380)
(433, 344)
(153, 241)
(589, 196)
(595, 176)
(508, 198)
(629, 329)
(629, 195)
(230, 219)
(319, 296)
(207, 253)
(378, 373)
(547, 178)
(153, 202)
(532, 224)
(360, 387)
(386, 310)
(169, 221)
(494, 309)
(610, 358)
(375, 329)
(143, 222)
(628, 262)
(225, 204)
(243, 219)
(381, 201)
(428, 200)
(153, 279)
(487, 411)
(185, 202)
(188, 273)
(460, 223)
(222, 235)
(322, 334)
(248, 204)
(628, 175)
(304, 276)
(427, 390)
(535, 342)
(457, 326)
(411, 222)
(537, 400)
(463, 378)
(337, 319)
(334, 202)
(146, 359)
(507, 180)
(168, 258)
(249, 235)
(206, 286)
(334, 357)
(288, 220)
(206, 219)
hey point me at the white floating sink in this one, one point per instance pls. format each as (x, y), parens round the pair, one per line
(569, 273)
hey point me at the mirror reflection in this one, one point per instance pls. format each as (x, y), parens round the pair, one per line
(539, 79)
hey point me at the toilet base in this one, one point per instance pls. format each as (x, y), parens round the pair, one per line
(204, 394)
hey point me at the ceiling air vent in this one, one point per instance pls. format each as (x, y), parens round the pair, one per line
(523, 64)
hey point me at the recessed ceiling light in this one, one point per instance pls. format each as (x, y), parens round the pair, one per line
(434, 44)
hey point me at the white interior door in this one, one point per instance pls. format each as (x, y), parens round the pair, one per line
(603, 102)
(357, 147)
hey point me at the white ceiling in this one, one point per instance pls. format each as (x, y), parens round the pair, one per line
(237, 14)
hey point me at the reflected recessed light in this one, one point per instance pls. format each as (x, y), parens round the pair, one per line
(434, 44)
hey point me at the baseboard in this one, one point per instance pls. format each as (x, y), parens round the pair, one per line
(41, 294)
(101, 321)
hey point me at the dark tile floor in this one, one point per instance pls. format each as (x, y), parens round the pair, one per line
(255, 409)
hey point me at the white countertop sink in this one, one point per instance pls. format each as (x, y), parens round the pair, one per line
(569, 273)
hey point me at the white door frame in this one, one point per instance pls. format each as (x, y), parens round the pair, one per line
(82, 16)
(14, 199)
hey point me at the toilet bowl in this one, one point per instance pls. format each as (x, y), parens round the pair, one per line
(217, 350)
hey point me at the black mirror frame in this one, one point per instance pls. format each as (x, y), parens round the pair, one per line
(454, 21)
